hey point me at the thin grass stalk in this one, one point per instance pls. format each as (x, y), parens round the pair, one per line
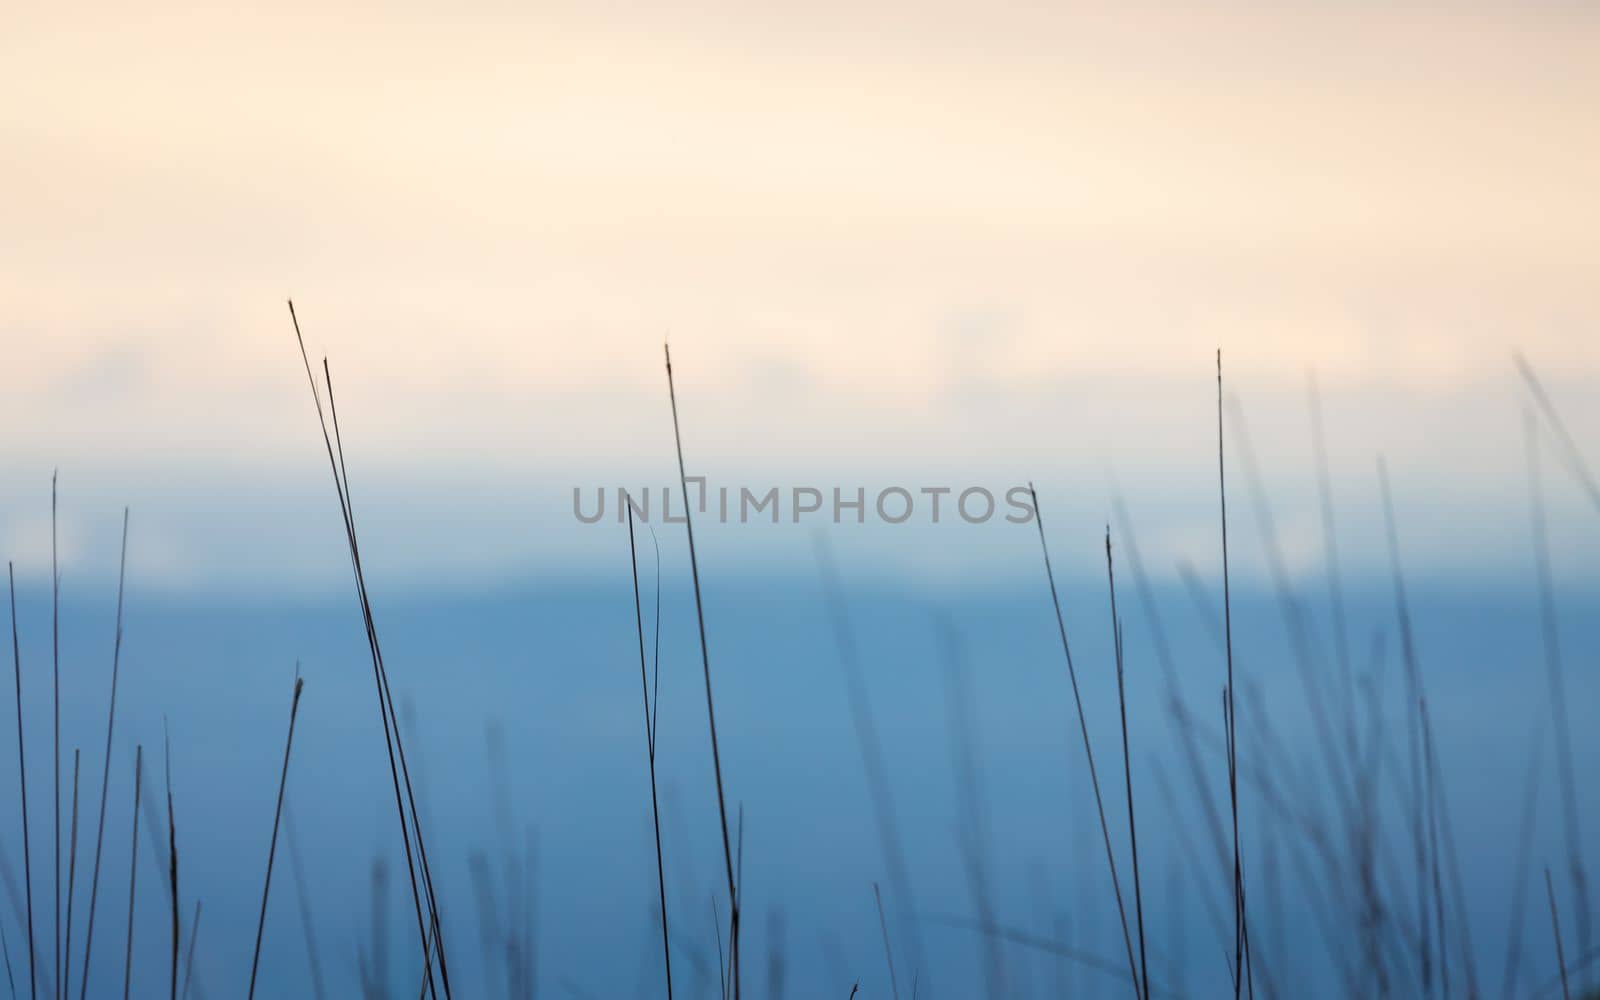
(1178, 951)
(1191, 856)
(5, 948)
(655, 654)
(650, 751)
(1273, 798)
(72, 876)
(1025, 939)
(738, 875)
(390, 723)
(105, 775)
(529, 967)
(14, 895)
(427, 967)
(343, 474)
(1520, 875)
(1569, 446)
(1127, 770)
(188, 961)
(22, 776)
(172, 865)
(1555, 669)
(1431, 805)
(722, 966)
(277, 817)
(1414, 695)
(1233, 772)
(1201, 783)
(508, 939)
(1299, 627)
(488, 917)
(1469, 955)
(1552, 985)
(888, 952)
(55, 700)
(349, 528)
(1555, 930)
(1375, 911)
(705, 664)
(1330, 548)
(427, 971)
(387, 696)
(1088, 750)
(1362, 817)
(388, 692)
(1367, 834)
(1298, 624)
(1245, 971)
(133, 868)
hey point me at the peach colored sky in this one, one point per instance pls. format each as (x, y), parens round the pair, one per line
(870, 232)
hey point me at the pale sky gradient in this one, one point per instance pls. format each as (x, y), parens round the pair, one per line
(911, 238)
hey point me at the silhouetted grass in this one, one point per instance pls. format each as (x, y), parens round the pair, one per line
(1240, 924)
(1127, 771)
(133, 868)
(1088, 750)
(72, 875)
(1391, 913)
(188, 961)
(1555, 931)
(55, 705)
(22, 776)
(410, 824)
(888, 952)
(650, 746)
(172, 865)
(1550, 640)
(272, 849)
(105, 775)
(711, 712)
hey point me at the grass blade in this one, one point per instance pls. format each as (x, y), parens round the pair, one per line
(405, 806)
(22, 775)
(650, 747)
(1127, 771)
(133, 868)
(1239, 928)
(888, 953)
(55, 700)
(172, 865)
(105, 775)
(1088, 750)
(705, 664)
(1555, 929)
(1555, 672)
(277, 817)
(72, 876)
(188, 961)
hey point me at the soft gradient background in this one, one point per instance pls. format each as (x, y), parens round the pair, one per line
(892, 244)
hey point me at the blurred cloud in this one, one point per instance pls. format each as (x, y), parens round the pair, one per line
(928, 236)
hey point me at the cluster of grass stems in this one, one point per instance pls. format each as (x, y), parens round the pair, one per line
(1406, 916)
